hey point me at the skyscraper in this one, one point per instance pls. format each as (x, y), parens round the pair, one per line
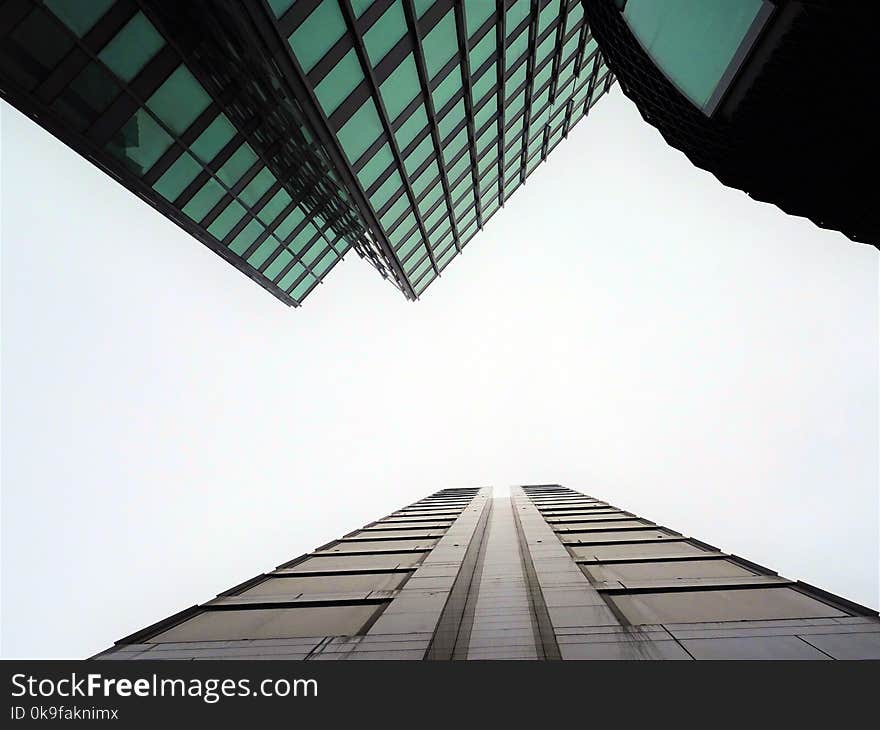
(282, 133)
(545, 574)
(770, 96)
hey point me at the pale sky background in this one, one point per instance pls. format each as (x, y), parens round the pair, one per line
(626, 326)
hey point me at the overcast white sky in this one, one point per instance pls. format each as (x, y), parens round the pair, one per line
(626, 326)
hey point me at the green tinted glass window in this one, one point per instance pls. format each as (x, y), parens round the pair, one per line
(424, 181)
(516, 49)
(79, 15)
(303, 238)
(408, 246)
(237, 165)
(177, 177)
(278, 263)
(95, 88)
(255, 189)
(290, 222)
(545, 48)
(360, 6)
(385, 33)
(482, 51)
(403, 230)
(132, 47)
(317, 34)
(272, 209)
(292, 275)
(397, 209)
(325, 263)
(447, 88)
(454, 146)
(279, 7)
(487, 138)
(386, 190)
(303, 287)
(514, 81)
(446, 257)
(359, 132)
(215, 137)
(179, 100)
(226, 221)
(407, 132)
(440, 45)
(477, 12)
(401, 87)
(339, 83)
(204, 200)
(375, 166)
(458, 168)
(484, 84)
(140, 142)
(418, 155)
(435, 193)
(485, 113)
(316, 249)
(547, 16)
(246, 237)
(263, 251)
(516, 14)
(452, 118)
(676, 32)
(434, 217)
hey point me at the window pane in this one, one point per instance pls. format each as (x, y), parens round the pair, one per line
(385, 33)
(204, 200)
(317, 34)
(440, 45)
(179, 100)
(375, 166)
(215, 137)
(359, 132)
(177, 177)
(255, 189)
(447, 88)
(79, 15)
(401, 87)
(237, 165)
(407, 132)
(140, 142)
(477, 12)
(273, 208)
(674, 33)
(130, 50)
(339, 83)
(226, 221)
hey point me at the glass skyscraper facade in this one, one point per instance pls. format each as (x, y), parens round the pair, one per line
(545, 574)
(284, 133)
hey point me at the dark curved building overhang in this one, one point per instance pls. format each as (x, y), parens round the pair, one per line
(792, 119)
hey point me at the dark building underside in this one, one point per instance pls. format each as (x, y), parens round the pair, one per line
(796, 128)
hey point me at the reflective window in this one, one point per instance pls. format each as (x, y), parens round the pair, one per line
(79, 16)
(272, 623)
(317, 584)
(675, 32)
(317, 34)
(179, 100)
(385, 33)
(215, 137)
(747, 604)
(140, 142)
(339, 83)
(175, 179)
(132, 47)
